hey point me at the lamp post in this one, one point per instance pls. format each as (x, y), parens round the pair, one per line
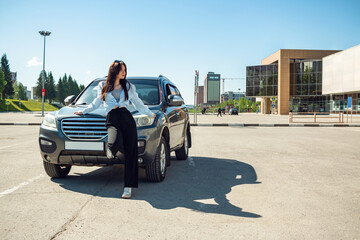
(239, 100)
(43, 33)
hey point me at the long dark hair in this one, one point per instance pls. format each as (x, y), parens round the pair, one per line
(114, 70)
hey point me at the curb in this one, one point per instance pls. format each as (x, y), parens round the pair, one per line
(33, 124)
(270, 125)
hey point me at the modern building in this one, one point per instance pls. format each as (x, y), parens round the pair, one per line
(32, 95)
(292, 80)
(341, 79)
(28, 93)
(212, 88)
(200, 95)
(230, 95)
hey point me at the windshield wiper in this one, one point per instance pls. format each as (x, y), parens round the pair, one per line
(84, 103)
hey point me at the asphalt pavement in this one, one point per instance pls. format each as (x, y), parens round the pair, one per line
(238, 183)
(244, 119)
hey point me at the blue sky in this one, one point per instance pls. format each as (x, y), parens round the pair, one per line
(172, 38)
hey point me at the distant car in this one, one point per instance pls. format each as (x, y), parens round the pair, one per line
(233, 111)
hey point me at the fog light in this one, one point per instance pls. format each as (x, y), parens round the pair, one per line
(141, 143)
(47, 158)
(140, 160)
(44, 142)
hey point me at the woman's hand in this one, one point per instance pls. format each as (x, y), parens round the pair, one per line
(154, 115)
(78, 113)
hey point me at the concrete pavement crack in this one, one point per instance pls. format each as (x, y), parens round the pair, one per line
(76, 215)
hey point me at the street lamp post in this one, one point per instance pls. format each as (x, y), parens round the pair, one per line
(239, 100)
(43, 33)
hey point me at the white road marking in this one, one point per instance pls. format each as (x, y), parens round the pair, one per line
(2, 194)
(11, 146)
(17, 144)
(191, 161)
(238, 176)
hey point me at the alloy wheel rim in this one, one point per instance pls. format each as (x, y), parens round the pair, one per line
(162, 159)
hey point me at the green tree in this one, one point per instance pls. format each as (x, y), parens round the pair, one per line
(16, 90)
(253, 107)
(81, 87)
(50, 90)
(60, 91)
(66, 86)
(22, 92)
(8, 90)
(38, 89)
(2, 83)
(73, 86)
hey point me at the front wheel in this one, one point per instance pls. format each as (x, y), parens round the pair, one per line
(56, 170)
(183, 152)
(156, 171)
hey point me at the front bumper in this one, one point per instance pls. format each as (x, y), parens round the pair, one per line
(52, 148)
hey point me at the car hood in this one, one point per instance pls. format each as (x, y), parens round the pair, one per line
(68, 111)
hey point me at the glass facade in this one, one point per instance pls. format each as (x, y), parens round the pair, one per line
(305, 87)
(327, 103)
(306, 78)
(214, 91)
(262, 80)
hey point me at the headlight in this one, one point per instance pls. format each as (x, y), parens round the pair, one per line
(49, 121)
(143, 120)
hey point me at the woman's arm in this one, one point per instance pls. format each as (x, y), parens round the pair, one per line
(94, 104)
(138, 103)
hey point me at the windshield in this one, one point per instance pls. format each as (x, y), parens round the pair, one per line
(147, 90)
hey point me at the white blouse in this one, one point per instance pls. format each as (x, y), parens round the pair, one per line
(110, 102)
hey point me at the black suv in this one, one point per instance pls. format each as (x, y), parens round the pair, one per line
(67, 139)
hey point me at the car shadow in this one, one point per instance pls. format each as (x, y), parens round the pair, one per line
(199, 183)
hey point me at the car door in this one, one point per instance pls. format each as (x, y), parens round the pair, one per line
(181, 120)
(172, 114)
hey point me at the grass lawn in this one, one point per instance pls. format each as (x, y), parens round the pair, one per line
(31, 105)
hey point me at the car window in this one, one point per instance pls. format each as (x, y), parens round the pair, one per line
(168, 92)
(148, 92)
(172, 90)
(177, 91)
(89, 94)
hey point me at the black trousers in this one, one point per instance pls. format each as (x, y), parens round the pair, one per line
(121, 127)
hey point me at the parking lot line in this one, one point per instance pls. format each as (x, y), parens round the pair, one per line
(8, 191)
(17, 144)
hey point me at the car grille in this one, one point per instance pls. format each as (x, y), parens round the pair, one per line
(92, 129)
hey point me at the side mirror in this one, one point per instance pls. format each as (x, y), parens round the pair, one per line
(68, 100)
(175, 100)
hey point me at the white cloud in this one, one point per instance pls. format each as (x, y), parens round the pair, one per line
(88, 72)
(34, 62)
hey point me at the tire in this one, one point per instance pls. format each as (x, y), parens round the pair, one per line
(183, 152)
(156, 171)
(55, 170)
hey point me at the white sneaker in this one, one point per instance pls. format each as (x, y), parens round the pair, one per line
(109, 153)
(127, 193)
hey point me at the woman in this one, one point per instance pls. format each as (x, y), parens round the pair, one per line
(115, 95)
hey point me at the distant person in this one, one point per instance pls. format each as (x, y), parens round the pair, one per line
(219, 112)
(203, 111)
